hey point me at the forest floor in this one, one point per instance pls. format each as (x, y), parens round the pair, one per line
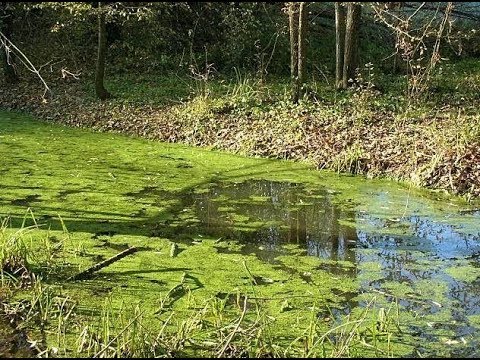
(432, 141)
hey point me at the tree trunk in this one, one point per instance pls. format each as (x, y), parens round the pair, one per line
(293, 24)
(356, 19)
(302, 34)
(340, 44)
(6, 26)
(100, 90)
(350, 63)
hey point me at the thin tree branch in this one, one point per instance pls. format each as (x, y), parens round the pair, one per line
(7, 44)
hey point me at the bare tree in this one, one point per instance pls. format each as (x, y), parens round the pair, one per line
(351, 55)
(100, 90)
(298, 30)
(293, 25)
(302, 48)
(418, 39)
(340, 43)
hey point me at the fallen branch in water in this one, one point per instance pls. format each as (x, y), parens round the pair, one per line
(86, 273)
(237, 326)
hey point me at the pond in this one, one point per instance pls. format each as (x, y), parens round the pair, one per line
(226, 224)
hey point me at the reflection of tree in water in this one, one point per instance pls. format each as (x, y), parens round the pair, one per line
(435, 240)
(424, 252)
(281, 213)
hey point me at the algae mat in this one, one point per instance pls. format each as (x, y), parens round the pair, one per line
(221, 234)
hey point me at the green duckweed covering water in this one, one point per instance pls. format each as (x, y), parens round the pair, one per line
(305, 247)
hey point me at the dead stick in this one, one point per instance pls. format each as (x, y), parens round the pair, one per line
(84, 274)
(232, 334)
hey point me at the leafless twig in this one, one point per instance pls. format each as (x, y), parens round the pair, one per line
(8, 45)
